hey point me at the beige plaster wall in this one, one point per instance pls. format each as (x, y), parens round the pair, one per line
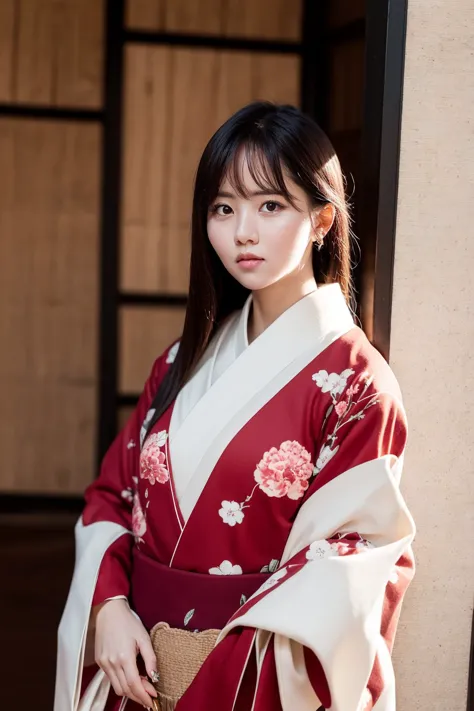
(432, 349)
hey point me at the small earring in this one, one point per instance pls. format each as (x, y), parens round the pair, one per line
(318, 243)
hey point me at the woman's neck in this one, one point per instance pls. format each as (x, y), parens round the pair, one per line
(269, 303)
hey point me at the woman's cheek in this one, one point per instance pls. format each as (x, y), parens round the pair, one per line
(223, 251)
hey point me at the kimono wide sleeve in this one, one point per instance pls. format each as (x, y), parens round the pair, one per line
(104, 537)
(320, 631)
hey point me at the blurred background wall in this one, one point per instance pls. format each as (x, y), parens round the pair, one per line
(432, 344)
(101, 128)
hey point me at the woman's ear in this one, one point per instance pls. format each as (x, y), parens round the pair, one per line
(322, 220)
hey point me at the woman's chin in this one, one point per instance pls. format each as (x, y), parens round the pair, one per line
(253, 282)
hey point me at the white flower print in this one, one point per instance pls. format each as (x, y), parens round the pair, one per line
(226, 568)
(325, 455)
(318, 550)
(172, 353)
(131, 444)
(231, 512)
(144, 426)
(342, 403)
(160, 438)
(341, 547)
(127, 494)
(271, 582)
(333, 383)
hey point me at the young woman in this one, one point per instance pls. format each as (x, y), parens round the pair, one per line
(252, 501)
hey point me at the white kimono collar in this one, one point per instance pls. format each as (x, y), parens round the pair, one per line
(263, 368)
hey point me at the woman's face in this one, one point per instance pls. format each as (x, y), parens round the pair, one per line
(263, 238)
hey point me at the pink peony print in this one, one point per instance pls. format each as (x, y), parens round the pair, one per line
(284, 471)
(341, 408)
(352, 390)
(153, 461)
(138, 519)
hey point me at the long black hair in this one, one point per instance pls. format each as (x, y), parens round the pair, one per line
(276, 139)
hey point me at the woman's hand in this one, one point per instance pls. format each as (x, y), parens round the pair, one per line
(119, 637)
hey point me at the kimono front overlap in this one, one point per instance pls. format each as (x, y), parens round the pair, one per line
(280, 467)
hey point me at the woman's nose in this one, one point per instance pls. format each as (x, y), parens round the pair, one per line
(246, 232)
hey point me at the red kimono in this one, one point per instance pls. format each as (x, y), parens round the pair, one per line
(264, 502)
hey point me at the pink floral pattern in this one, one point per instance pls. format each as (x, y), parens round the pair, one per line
(352, 544)
(281, 472)
(343, 405)
(288, 471)
(285, 471)
(138, 519)
(153, 464)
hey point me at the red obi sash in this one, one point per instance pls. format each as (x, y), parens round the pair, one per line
(194, 601)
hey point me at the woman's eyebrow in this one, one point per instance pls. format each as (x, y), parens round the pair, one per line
(255, 193)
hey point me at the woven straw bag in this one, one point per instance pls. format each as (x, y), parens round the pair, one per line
(179, 655)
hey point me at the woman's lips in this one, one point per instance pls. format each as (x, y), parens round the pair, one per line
(249, 261)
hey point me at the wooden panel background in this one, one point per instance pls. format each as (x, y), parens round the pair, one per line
(174, 100)
(51, 52)
(49, 194)
(7, 24)
(144, 333)
(264, 19)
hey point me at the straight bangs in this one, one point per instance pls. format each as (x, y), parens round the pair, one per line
(269, 164)
(265, 167)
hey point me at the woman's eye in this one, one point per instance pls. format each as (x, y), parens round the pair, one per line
(222, 210)
(272, 206)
